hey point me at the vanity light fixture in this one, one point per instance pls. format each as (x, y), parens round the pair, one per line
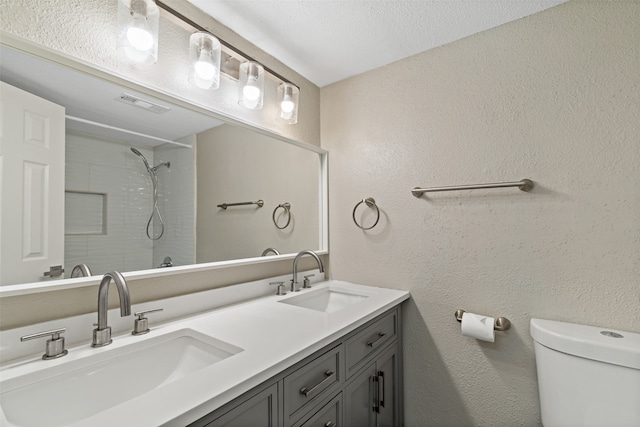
(251, 85)
(138, 22)
(288, 98)
(204, 57)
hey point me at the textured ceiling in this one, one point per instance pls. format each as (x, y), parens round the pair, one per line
(330, 40)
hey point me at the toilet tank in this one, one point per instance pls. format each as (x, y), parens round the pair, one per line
(587, 376)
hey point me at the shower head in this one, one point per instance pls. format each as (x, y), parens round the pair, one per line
(137, 153)
(156, 167)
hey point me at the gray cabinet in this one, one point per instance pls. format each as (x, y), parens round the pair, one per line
(306, 386)
(329, 415)
(372, 396)
(250, 410)
(353, 382)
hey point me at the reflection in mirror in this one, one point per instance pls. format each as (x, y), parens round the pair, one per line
(143, 181)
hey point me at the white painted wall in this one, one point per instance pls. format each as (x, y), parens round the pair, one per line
(554, 97)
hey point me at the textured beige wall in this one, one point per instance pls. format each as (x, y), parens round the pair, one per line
(84, 29)
(272, 171)
(554, 97)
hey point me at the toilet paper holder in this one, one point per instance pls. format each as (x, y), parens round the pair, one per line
(501, 323)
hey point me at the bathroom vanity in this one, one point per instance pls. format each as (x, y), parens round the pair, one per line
(329, 355)
(355, 380)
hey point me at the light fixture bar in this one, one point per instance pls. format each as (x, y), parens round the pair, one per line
(222, 42)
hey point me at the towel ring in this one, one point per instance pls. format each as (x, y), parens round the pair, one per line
(369, 201)
(287, 209)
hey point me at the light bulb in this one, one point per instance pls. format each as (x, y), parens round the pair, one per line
(139, 34)
(251, 88)
(203, 67)
(251, 91)
(287, 105)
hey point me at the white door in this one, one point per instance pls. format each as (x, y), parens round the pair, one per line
(32, 139)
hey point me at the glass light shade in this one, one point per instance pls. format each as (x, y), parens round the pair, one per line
(251, 85)
(138, 22)
(288, 95)
(204, 59)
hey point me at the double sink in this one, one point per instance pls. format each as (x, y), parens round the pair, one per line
(88, 385)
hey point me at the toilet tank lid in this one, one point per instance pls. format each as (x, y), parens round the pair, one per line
(588, 342)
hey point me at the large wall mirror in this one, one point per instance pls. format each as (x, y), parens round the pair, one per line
(143, 184)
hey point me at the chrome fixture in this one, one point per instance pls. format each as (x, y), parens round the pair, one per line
(260, 204)
(501, 323)
(141, 324)
(54, 271)
(306, 283)
(524, 185)
(102, 334)
(167, 262)
(55, 345)
(154, 181)
(209, 57)
(81, 270)
(369, 201)
(280, 290)
(266, 251)
(294, 280)
(286, 211)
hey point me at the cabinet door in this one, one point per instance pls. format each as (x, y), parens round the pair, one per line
(257, 411)
(359, 399)
(388, 393)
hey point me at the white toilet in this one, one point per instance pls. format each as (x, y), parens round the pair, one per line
(587, 376)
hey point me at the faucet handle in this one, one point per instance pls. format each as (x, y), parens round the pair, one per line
(280, 290)
(55, 345)
(306, 284)
(141, 324)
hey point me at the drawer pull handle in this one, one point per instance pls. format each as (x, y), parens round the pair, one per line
(330, 424)
(330, 376)
(374, 342)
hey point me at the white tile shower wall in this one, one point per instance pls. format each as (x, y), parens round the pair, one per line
(102, 166)
(177, 204)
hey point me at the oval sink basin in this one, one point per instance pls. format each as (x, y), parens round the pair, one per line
(327, 300)
(68, 393)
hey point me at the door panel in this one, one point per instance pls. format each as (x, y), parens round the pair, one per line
(32, 139)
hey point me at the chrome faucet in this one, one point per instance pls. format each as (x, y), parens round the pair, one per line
(102, 334)
(266, 251)
(81, 270)
(294, 280)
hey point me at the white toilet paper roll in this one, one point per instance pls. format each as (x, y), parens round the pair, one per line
(478, 327)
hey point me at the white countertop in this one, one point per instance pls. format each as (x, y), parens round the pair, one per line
(272, 336)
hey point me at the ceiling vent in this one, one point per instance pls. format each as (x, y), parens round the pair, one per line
(142, 103)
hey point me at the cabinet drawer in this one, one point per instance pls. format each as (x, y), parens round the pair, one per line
(316, 379)
(330, 415)
(369, 340)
